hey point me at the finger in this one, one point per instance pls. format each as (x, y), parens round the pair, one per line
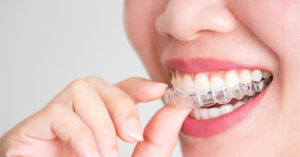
(142, 90)
(70, 129)
(48, 124)
(122, 110)
(161, 133)
(88, 105)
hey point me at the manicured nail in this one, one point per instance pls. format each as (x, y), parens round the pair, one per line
(135, 130)
(163, 85)
(114, 153)
(159, 84)
(138, 137)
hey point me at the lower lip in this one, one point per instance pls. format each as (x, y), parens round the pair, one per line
(214, 126)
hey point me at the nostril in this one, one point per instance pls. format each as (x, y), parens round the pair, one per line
(187, 21)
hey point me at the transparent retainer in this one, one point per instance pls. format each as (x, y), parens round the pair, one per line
(193, 98)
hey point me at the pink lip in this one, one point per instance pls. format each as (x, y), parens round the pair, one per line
(211, 127)
(197, 65)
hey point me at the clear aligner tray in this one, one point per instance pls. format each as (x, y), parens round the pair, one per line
(193, 98)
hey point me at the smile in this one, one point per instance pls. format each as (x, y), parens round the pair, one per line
(220, 99)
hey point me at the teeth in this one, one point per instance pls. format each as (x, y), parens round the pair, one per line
(214, 112)
(201, 82)
(187, 82)
(177, 82)
(226, 109)
(204, 113)
(238, 104)
(256, 75)
(245, 77)
(216, 82)
(208, 113)
(231, 79)
(266, 74)
(173, 81)
(195, 114)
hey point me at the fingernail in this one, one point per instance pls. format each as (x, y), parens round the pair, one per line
(138, 137)
(160, 84)
(163, 85)
(114, 153)
(135, 130)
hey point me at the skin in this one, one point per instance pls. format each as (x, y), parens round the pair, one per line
(89, 114)
(259, 33)
(86, 118)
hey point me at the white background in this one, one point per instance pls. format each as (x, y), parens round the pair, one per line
(46, 44)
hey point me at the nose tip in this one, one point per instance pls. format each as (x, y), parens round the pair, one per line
(186, 21)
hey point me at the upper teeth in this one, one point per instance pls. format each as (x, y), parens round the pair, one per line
(202, 81)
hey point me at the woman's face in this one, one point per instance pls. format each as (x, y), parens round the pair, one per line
(211, 38)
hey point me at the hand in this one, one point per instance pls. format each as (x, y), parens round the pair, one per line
(88, 115)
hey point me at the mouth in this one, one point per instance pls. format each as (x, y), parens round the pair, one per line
(214, 119)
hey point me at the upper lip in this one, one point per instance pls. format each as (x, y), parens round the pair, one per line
(197, 65)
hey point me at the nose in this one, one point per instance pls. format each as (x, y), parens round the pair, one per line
(185, 20)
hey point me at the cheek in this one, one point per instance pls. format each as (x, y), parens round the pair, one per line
(139, 19)
(288, 3)
(274, 22)
(135, 24)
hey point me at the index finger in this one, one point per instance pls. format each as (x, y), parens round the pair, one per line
(161, 133)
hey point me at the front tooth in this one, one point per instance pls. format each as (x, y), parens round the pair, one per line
(216, 82)
(201, 82)
(266, 74)
(226, 109)
(173, 81)
(195, 114)
(178, 81)
(238, 104)
(187, 82)
(256, 75)
(213, 112)
(204, 113)
(231, 79)
(245, 77)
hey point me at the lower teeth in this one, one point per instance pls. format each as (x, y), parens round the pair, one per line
(194, 99)
(213, 112)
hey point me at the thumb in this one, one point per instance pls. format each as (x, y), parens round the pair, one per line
(161, 133)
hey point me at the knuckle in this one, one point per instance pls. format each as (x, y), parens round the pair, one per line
(134, 79)
(79, 85)
(55, 108)
(93, 78)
